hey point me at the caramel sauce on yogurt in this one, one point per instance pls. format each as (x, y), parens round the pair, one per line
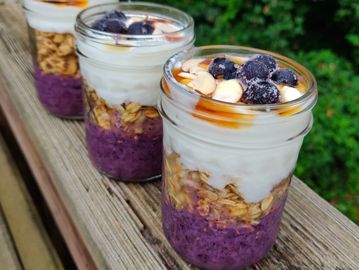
(213, 111)
(67, 3)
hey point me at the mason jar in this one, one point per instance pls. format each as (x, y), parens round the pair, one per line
(227, 166)
(122, 74)
(56, 70)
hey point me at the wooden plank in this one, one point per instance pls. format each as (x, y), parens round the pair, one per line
(120, 223)
(23, 219)
(8, 257)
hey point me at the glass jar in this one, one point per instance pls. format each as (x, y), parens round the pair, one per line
(227, 167)
(56, 69)
(122, 76)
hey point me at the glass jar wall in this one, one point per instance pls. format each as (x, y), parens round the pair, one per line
(227, 166)
(122, 73)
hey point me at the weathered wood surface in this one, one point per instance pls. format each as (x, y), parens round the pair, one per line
(8, 257)
(119, 224)
(32, 243)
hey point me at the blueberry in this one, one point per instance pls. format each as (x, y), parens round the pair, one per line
(268, 60)
(112, 22)
(115, 26)
(230, 70)
(284, 75)
(216, 68)
(111, 25)
(100, 25)
(141, 28)
(116, 14)
(222, 66)
(253, 70)
(261, 92)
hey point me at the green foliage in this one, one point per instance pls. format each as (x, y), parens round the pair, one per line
(330, 155)
(324, 37)
(349, 12)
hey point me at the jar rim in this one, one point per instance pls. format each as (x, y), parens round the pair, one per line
(83, 29)
(311, 93)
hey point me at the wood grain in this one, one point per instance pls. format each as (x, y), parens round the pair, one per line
(8, 257)
(118, 223)
(33, 245)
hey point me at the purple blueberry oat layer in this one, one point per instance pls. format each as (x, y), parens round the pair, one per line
(235, 246)
(121, 155)
(59, 94)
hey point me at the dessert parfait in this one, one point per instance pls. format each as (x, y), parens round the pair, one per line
(56, 69)
(234, 122)
(122, 49)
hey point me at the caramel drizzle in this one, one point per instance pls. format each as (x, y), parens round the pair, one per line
(211, 111)
(66, 3)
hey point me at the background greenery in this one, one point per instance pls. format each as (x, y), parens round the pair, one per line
(323, 35)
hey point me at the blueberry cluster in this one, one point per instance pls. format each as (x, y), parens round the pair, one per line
(115, 22)
(221, 66)
(259, 76)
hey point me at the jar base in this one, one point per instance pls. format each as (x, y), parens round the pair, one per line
(132, 180)
(66, 117)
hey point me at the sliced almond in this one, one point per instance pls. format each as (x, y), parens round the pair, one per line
(204, 83)
(237, 59)
(288, 93)
(229, 91)
(161, 28)
(157, 31)
(187, 75)
(197, 69)
(190, 64)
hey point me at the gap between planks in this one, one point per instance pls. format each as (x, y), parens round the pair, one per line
(22, 217)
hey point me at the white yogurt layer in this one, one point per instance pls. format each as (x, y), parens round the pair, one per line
(256, 158)
(120, 74)
(48, 17)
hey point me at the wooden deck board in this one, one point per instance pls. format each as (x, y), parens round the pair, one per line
(32, 243)
(117, 226)
(8, 257)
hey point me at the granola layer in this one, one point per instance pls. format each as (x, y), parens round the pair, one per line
(188, 189)
(55, 53)
(124, 141)
(57, 75)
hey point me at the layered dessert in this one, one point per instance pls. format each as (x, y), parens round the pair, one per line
(56, 70)
(234, 124)
(125, 140)
(122, 50)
